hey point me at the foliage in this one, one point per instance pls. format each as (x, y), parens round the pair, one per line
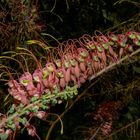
(60, 78)
(42, 76)
(69, 19)
(19, 22)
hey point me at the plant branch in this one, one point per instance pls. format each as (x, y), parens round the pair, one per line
(112, 66)
(67, 109)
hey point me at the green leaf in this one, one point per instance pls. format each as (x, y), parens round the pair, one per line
(75, 93)
(132, 36)
(54, 101)
(56, 91)
(49, 93)
(10, 122)
(67, 88)
(44, 107)
(105, 46)
(33, 99)
(21, 105)
(65, 97)
(111, 43)
(12, 109)
(123, 44)
(44, 101)
(31, 42)
(93, 47)
(99, 49)
(95, 58)
(3, 136)
(12, 126)
(138, 43)
(34, 109)
(23, 121)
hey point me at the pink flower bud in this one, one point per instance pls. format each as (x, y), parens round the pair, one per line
(8, 131)
(41, 114)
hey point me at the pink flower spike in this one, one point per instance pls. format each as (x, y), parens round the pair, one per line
(58, 63)
(83, 52)
(27, 81)
(37, 75)
(131, 35)
(24, 100)
(13, 84)
(103, 38)
(50, 66)
(17, 91)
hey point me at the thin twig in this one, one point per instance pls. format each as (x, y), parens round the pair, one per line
(93, 136)
(110, 67)
(81, 95)
(121, 129)
(67, 109)
(22, 112)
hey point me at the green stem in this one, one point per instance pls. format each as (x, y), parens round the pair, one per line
(23, 111)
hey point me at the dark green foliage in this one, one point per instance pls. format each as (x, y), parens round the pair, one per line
(65, 19)
(69, 19)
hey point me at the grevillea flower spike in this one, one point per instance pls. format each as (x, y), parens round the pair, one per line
(78, 60)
